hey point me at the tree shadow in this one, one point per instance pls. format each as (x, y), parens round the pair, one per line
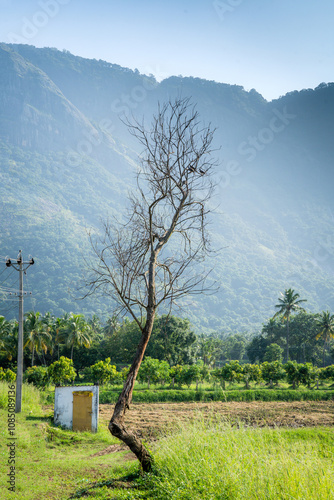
(43, 418)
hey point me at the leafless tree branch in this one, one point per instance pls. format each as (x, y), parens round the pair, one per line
(146, 261)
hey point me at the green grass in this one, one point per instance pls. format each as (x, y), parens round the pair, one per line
(108, 395)
(32, 398)
(52, 463)
(216, 461)
(203, 460)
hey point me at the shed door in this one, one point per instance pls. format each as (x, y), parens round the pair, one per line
(82, 410)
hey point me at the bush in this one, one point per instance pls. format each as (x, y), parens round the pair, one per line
(121, 376)
(299, 373)
(103, 371)
(152, 370)
(251, 373)
(308, 374)
(231, 372)
(292, 373)
(37, 375)
(61, 371)
(190, 374)
(176, 375)
(272, 371)
(7, 375)
(327, 373)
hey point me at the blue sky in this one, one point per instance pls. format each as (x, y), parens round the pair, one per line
(274, 46)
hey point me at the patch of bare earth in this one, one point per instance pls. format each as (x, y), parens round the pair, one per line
(114, 448)
(149, 420)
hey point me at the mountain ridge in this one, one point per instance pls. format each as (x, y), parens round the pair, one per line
(274, 181)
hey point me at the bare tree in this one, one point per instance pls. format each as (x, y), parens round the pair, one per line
(146, 261)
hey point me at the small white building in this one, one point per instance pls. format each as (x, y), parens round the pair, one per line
(77, 408)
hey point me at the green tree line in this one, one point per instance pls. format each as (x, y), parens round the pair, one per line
(159, 372)
(292, 334)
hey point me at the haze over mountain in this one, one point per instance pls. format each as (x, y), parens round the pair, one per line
(67, 160)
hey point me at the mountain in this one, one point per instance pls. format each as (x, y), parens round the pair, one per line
(67, 161)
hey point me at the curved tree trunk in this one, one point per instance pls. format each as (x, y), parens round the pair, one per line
(116, 424)
(173, 198)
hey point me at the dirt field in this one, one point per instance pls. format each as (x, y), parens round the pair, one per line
(149, 419)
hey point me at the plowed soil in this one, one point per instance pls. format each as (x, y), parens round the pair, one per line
(149, 420)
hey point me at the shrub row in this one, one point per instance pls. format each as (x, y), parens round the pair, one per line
(170, 395)
(155, 371)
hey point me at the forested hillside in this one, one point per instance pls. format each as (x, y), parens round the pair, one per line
(67, 161)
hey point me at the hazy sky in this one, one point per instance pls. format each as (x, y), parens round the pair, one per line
(274, 46)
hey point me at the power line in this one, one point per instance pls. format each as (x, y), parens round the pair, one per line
(10, 298)
(30, 293)
(7, 277)
(2, 272)
(10, 289)
(10, 309)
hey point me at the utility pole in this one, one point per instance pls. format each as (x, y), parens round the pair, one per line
(19, 266)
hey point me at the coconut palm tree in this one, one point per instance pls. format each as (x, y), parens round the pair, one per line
(54, 326)
(58, 333)
(77, 332)
(288, 303)
(38, 334)
(95, 324)
(112, 326)
(326, 326)
(48, 321)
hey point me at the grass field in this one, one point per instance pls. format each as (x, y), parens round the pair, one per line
(198, 454)
(52, 463)
(216, 461)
